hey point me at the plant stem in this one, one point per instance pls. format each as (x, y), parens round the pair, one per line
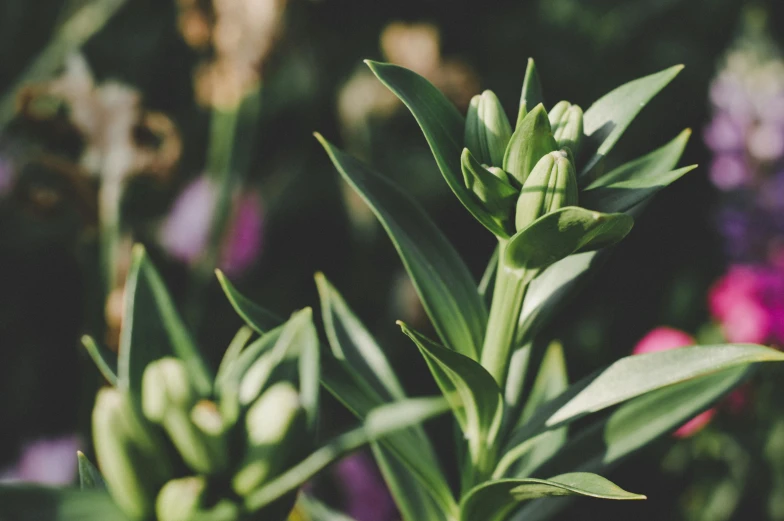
(508, 296)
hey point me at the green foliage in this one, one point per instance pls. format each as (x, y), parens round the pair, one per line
(516, 430)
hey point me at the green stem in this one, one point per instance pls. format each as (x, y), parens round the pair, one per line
(505, 310)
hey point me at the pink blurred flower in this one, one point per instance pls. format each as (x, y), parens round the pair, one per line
(748, 301)
(366, 495)
(185, 232)
(46, 461)
(663, 339)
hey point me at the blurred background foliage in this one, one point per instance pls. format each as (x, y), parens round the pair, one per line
(312, 78)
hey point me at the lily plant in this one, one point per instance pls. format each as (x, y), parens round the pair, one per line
(542, 189)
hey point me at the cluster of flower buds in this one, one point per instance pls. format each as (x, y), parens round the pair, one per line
(522, 175)
(172, 453)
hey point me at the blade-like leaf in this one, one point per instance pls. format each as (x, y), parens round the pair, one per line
(493, 500)
(229, 377)
(411, 499)
(152, 328)
(443, 128)
(559, 234)
(639, 374)
(632, 426)
(352, 343)
(442, 280)
(635, 181)
(379, 423)
(314, 510)
(471, 391)
(32, 503)
(607, 119)
(233, 352)
(89, 477)
(531, 94)
(254, 315)
(410, 447)
(551, 380)
(104, 360)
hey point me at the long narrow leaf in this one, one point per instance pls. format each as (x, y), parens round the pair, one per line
(446, 287)
(254, 315)
(33, 503)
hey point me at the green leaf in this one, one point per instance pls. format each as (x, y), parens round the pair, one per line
(493, 500)
(410, 447)
(443, 127)
(410, 497)
(104, 360)
(33, 503)
(229, 376)
(636, 375)
(471, 391)
(379, 423)
(487, 282)
(89, 477)
(353, 344)
(607, 119)
(314, 510)
(561, 233)
(551, 380)
(442, 280)
(254, 315)
(630, 427)
(531, 94)
(233, 352)
(153, 329)
(635, 181)
(532, 140)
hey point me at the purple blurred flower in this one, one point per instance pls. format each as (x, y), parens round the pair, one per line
(729, 171)
(724, 134)
(185, 232)
(766, 142)
(46, 461)
(366, 495)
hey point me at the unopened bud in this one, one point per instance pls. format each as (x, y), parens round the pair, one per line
(532, 140)
(183, 499)
(490, 185)
(566, 121)
(551, 185)
(487, 129)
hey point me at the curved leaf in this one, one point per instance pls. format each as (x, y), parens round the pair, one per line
(89, 477)
(531, 94)
(630, 427)
(471, 391)
(493, 500)
(443, 127)
(379, 423)
(442, 280)
(633, 182)
(559, 234)
(607, 119)
(254, 315)
(104, 360)
(152, 329)
(636, 375)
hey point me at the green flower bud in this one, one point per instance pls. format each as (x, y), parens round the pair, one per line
(168, 399)
(551, 185)
(182, 500)
(131, 457)
(566, 121)
(490, 185)
(273, 423)
(487, 130)
(530, 142)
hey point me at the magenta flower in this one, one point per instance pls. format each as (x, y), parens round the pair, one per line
(662, 339)
(46, 461)
(748, 302)
(185, 232)
(366, 495)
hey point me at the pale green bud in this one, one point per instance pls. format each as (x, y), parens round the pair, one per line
(274, 424)
(487, 130)
(168, 399)
(131, 457)
(182, 500)
(490, 185)
(530, 142)
(551, 185)
(566, 121)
